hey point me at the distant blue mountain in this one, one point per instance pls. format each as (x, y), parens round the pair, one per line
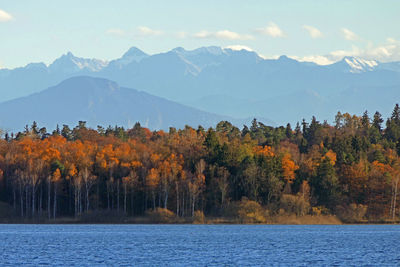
(229, 82)
(101, 102)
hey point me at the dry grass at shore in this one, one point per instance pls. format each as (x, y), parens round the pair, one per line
(306, 219)
(161, 216)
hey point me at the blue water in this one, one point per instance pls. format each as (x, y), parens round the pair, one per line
(199, 245)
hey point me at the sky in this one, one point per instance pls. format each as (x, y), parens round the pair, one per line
(322, 31)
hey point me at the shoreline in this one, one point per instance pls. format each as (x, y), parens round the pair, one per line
(278, 220)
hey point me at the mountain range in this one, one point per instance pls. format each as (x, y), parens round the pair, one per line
(100, 102)
(233, 83)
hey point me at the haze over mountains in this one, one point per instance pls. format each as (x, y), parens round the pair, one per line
(233, 83)
(100, 102)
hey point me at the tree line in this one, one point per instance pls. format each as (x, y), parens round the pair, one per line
(350, 167)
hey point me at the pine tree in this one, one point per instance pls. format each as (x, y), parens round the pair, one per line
(365, 121)
(289, 131)
(377, 121)
(396, 115)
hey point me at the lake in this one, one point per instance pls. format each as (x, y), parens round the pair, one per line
(199, 245)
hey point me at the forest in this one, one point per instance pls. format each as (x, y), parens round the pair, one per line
(350, 169)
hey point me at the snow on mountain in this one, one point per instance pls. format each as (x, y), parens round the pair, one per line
(196, 77)
(201, 57)
(358, 65)
(69, 63)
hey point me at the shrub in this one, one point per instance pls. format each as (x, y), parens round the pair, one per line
(319, 210)
(199, 217)
(160, 215)
(250, 212)
(351, 213)
(294, 204)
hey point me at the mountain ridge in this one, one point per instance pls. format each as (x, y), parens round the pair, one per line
(102, 102)
(194, 77)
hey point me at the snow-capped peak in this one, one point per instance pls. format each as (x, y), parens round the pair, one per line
(358, 65)
(70, 63)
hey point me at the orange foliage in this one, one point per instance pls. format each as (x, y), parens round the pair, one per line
(264, 151)
(153, 178)
(383, 168)
(289, 167)
(56, 175)
(331, 156)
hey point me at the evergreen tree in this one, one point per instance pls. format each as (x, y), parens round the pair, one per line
(338, 120)
(66, 132)
(326, 184)
(377, 121)
(365, 122)
(57, 131)
(34, 129)
(245, 130)
(289, 131)
(395, 118)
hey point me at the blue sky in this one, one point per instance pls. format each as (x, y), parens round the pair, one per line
(320, 30)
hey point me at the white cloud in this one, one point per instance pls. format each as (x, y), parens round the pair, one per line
(239, 47)
(391, 40)
(203, 34)
(181, 35)
(349, 35)
(222, 35)
(141, 31)
(312, 31)
(4, 16)
(272, 30)
(146, 31)
(228, 35)
(116, 32)
(386, 52)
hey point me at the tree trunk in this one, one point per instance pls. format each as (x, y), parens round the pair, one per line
(193, 204)
(41, 200)
(177, 198)
(76, 202)
(15, 199)
(125, 197)
(145, 200)
(21, 196)
(118, 196)
(98, 197)
(395, 199)
(80, 202)
(132, 202)
(165, 199)
(108, 197)
(87, 199)
(27, 201)
(33, 201)
(112, 196)
(183, 205)
(55, 201)
(70, 199)
(154, 200)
